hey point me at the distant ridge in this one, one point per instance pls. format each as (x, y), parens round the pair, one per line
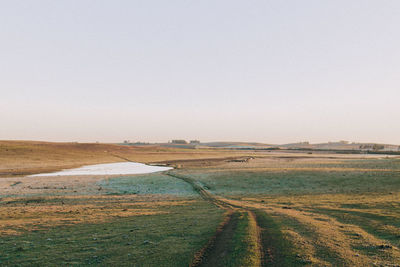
(339, 145)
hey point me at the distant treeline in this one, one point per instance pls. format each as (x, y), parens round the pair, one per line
(353, 151)
(338, 151)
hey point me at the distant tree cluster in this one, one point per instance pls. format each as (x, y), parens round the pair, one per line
(374, 147)
(128, 142)
(178, 141)
(184, 142)
(303, 143)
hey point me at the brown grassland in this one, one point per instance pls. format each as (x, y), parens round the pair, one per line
(216, 208)
(29, 157)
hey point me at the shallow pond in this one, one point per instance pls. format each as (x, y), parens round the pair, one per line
(109, 169)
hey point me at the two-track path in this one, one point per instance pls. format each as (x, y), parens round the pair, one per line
(217, 245)
(216, 248)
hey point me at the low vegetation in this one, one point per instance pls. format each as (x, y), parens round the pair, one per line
(269, 209)
(141, 232)
(345, 213)
(147, 184)
(29, 157)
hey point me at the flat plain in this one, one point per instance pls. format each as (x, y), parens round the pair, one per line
(216, 208)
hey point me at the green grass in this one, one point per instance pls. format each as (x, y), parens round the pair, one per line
(236, 245)
(154, 240)
(280, 252)
(242, 245)
(298, 182)
(385, 163)
(245, 248)
(345, 192)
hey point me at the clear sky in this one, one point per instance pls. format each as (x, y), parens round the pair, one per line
(269, 71)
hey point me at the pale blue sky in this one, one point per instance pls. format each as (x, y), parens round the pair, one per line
(268, 71)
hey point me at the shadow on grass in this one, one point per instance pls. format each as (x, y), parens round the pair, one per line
(277, 251)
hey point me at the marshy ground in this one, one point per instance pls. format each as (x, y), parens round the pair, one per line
(217, 208)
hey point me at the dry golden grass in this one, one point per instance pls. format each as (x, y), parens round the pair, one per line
(281, 161)
(330, 200)
(29, 157)
(326, 227)
(340, 240)
(304, 247)
(353, 226)
(158, 232)
(253, 239)
(21, 214)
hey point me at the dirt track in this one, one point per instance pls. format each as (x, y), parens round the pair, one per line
(218, 246)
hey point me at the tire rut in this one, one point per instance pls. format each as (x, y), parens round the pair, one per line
(218, 245)
(210, 254)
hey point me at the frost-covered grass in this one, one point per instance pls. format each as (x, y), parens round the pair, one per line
(378, 176)
(157, 183)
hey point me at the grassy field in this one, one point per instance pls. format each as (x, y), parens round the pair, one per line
(328, 213)
(19, 158)
(217, 209)
(147, 184)
(107, 232)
